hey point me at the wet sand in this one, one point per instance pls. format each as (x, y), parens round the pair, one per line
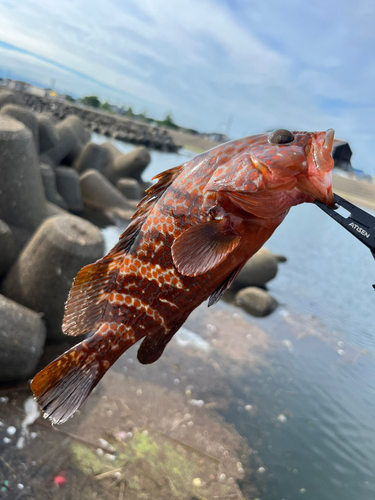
(358, 192)
(146, 432)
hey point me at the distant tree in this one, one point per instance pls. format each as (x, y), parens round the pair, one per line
(92, 101)
(168, 122)
(69, 98)
(129, 112)
(106, 107)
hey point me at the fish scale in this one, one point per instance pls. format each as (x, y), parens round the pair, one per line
(191, 235)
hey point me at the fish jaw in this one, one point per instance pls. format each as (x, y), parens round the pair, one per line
(316, 184)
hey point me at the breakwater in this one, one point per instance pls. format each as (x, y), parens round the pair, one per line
(110, 125)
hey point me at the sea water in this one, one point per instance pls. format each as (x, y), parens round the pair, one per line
(315, 423)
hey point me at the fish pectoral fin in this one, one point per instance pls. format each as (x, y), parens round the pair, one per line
(201, 248)
(219, 292)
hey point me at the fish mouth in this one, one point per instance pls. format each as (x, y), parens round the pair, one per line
(318, 182)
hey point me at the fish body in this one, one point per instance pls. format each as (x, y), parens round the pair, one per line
(191, 235)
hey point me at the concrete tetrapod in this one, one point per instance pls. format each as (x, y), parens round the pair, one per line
(42, 275)
(7, 247)
(22, 199)
(22, 338)
(25, 116)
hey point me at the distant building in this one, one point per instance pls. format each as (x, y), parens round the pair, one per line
(341, 154)
(33, 90)
(17, 85)
(50, 93)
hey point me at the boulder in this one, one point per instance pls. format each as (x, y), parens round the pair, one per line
(7, 97)
(7, 247)
(255, 301)
(259, 270)
(22, 198)
(99, 193)
(93, 156)
(67, 183)
(42, 275)
(130, 188)
(48, 135)
(25, 116)
(50, 189)
(22, 338)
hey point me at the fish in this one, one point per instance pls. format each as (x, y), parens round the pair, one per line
(192, 233)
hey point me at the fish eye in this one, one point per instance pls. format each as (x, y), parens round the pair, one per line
(281, 136)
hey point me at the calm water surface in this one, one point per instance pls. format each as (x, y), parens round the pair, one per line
(321, 376)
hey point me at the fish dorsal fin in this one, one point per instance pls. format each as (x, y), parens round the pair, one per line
(201, 248)
(241, 173)
(92, 285)
(220, 290)
(154, 192)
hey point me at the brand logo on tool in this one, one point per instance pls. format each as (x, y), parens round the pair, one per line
(359, 229)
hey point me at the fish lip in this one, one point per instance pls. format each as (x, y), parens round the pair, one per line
(328, 140)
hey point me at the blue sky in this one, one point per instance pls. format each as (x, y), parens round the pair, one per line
(260, 64)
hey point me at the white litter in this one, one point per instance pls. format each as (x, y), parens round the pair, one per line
(32, 412)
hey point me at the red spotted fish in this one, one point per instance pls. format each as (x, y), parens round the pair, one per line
(191, 235)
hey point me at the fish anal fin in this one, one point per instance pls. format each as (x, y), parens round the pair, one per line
(152, 346)
(220, 290)
(203, 247)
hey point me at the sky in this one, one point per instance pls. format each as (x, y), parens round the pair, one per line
(235, 66)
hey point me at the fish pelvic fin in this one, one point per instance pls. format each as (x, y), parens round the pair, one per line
(64, 384)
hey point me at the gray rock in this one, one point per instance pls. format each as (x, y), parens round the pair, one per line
(99, 193)
(258, 271)
(130, 188)
(42, 275)
(48, 135)
(7, 247)
(7, 97)
(50, 189)
(25, 116)
(67, 183)
(22, 338)
(93, 156)
(255, 301)
(22, 199)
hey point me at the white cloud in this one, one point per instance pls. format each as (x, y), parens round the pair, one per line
(267, 64)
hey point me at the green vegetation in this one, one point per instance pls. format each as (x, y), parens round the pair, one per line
(168, 122)
(147, 462)
(91, 101)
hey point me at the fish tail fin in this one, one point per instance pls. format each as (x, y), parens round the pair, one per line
(64, 384)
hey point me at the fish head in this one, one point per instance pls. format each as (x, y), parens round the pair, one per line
(279, 170)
